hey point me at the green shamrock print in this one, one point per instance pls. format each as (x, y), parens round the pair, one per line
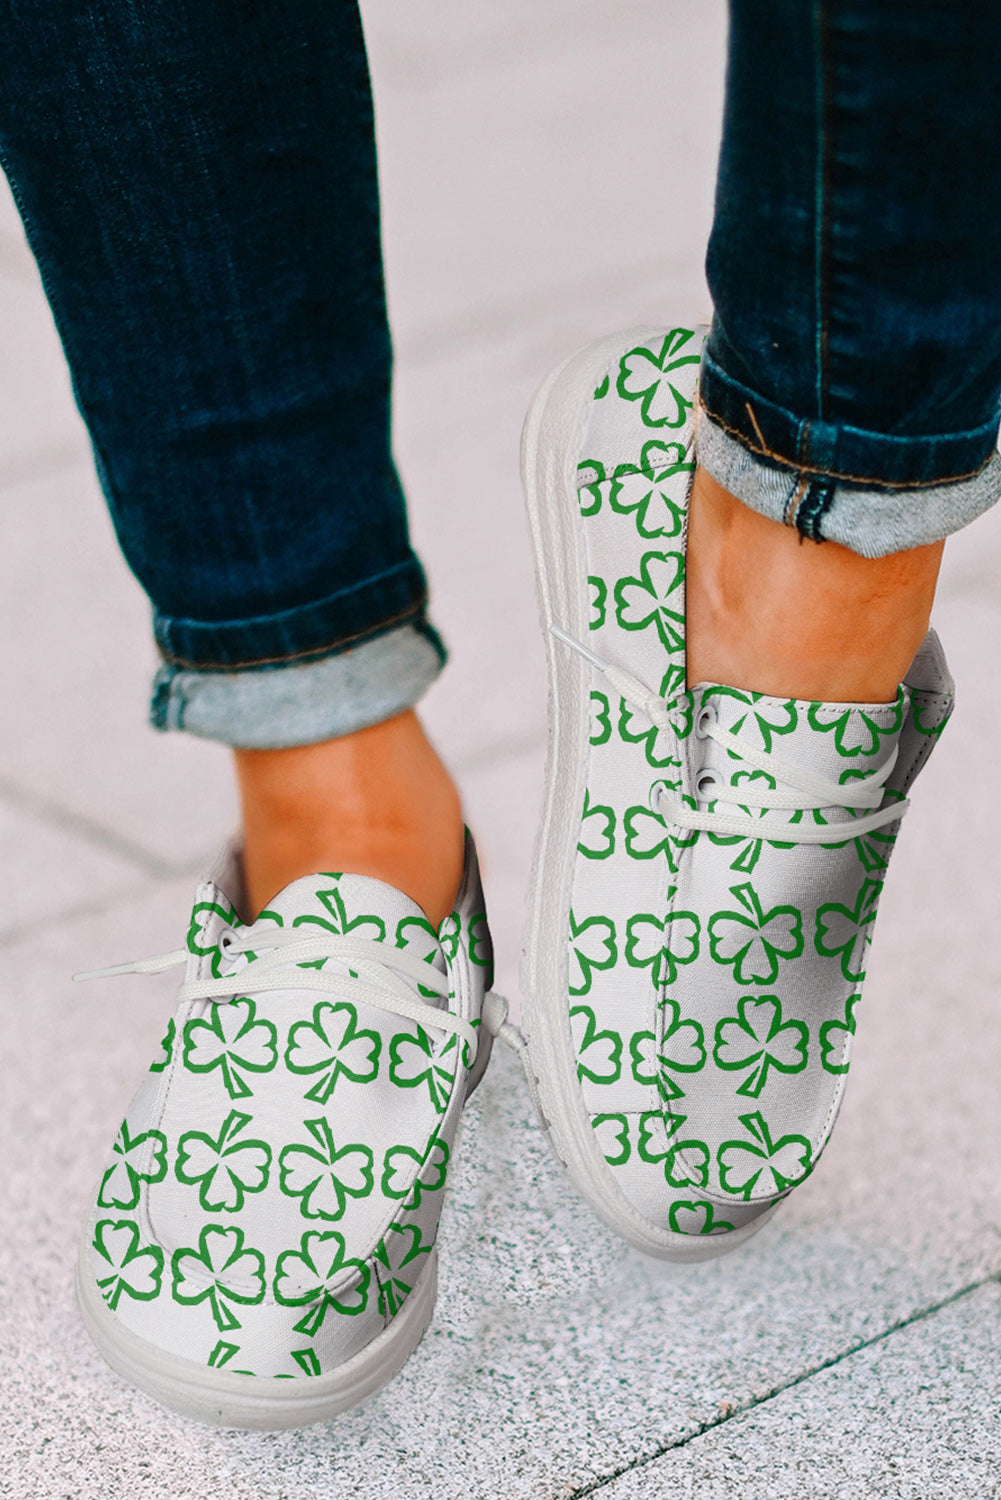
(224, 1169)
(766, 718)
(418, 937)
(777, 1165)
(757, 1038)
(855, 731)
(166, 1049)
(658, 744)
(664, 945)
(686, 1163)
(754, 940)
(930, 712)
(748, 850)
(222, 1353)
(846, 932)
(590, 478)
(393, 1288)
(220, 1271)
(320, 1277)
(414, 1061)
(682, 1048)
(647, 600)
(135, 1159)
(599, 1053)
(695, 1218)
(835, 1038)
(597, 600)
(326, 1176)
(333, 1046)
(365, 925)
(203, 915)
(403, 1169)
(481, 949)
(646, 377)
(134, 1272)
(234, 1041)
(647, 836)
(602, 388)
(448, 936)
(613, 1138)
(600, 728)
(592, 948)
(597, 830)
(307, 1359)
(655, 491)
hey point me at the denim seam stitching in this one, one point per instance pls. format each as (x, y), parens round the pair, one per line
(800, 468)
(267, 661)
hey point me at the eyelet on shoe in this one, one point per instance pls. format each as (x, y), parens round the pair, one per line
(706, 716)
(656, 792)
(226, 939)
(707, 784)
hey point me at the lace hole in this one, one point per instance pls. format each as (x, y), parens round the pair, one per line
(707, 784)
(706, 716)
(227, 938)
(656, 792)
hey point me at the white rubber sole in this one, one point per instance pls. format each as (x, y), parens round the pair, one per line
(224, 1398)
(549, 453)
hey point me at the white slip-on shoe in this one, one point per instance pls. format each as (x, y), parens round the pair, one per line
(709, 862)
(261, 1252)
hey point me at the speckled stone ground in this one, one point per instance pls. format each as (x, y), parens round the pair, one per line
(547, 170)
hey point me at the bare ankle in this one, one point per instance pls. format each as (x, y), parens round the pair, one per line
(378, 802)
(773, 613)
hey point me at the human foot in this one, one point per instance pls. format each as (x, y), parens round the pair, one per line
(378, 802)
(796, 618)
(262, 1250)
(709, 862)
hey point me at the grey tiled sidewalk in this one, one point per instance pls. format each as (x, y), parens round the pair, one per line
(547, 171)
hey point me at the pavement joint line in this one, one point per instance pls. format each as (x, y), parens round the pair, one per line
(595, 1486)
(66, 820)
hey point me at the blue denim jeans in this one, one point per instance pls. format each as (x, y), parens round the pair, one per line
(198, 182)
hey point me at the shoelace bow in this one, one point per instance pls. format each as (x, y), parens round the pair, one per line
(811, 792)
(275, 961)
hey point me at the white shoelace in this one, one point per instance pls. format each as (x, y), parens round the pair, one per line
(274, 961)
(811, 791)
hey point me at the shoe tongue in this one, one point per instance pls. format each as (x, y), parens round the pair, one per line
(828, 739)
(355, 906)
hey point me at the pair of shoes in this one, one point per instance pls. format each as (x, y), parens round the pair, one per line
(262, 1248)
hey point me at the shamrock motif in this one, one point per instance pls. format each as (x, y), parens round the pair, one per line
(222, 1353)
(320, 1277)
(135, 1272)
(203, 915)
(599, 1053)
(613, 1138)
(393, 1289)
(756, 1037)
(234, 1041)
(835, 1038)
(365, 925)
(332, 1045)
(930, 712)
(695, 1218)
(419, 938)
(590, 478)
(647, 836)
(597, 599)
(448, 936)
(592, 946)
(764, 718)
(754, 940)
(325, 1178)
(481, 949)
(226, 1168)
(597, 831)
(166, 1049)
(855, 731)
(307, 1359)
(647, 599)
(654, 492)
(665, 945)
(600, 730)
(686, 1163)
(209, 1272)
(682, 1047)
(776, 1164)
(844, 931)
(646, 377)
(402, 1174)
(748, 850)
(413, 1061)
(658, 744)
(135, 1159)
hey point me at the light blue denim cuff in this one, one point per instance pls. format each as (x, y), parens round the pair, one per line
(299, 704)
(872, 521)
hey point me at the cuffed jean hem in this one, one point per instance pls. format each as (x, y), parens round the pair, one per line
(872, 520)
(302, 703)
